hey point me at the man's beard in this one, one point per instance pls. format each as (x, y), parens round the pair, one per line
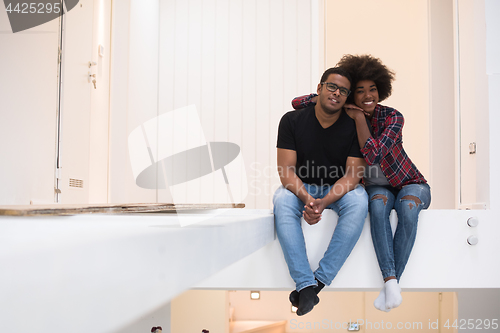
(329, 111)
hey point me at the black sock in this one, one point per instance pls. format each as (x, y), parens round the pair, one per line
(294, 295)
(307, 300)
(320, 286)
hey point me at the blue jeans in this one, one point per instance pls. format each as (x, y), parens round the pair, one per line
(352, 209)
(393, 253)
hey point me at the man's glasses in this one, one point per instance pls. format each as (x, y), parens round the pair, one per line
(333, 88)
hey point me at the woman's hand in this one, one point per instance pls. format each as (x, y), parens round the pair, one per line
(353, 111)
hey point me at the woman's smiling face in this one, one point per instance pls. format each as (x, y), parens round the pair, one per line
(366, 96)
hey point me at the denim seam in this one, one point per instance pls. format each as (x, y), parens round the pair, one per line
(320, 280)
(388, 272)
(305, 286)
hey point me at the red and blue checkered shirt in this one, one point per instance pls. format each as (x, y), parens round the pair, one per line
(385, 146)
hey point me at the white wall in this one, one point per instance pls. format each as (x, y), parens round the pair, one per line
(239, 62)
(241, 71)
(253, 65)
(441, 259)
(492, 8)
(28, 105)
(99, 111)
(134, 90)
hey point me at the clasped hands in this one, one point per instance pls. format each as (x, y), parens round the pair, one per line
(312, 211)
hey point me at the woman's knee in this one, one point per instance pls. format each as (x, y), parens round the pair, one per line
(380, 205)
(413, 201)
(416, 195)
(408, 210)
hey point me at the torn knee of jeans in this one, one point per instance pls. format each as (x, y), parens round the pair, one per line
(380, 196)
(413, 198)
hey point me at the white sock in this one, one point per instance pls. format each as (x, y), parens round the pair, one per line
(393, 297)
(379, 302)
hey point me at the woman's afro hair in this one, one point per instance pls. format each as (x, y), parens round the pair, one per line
(367, 67)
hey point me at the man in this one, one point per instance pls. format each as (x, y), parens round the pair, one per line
(320, 167)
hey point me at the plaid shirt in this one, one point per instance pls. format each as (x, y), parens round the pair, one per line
(385, 146)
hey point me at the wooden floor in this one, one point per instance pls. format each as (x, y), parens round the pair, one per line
(56, 209)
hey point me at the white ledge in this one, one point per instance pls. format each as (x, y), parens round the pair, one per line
(97, 273)
(441, 258)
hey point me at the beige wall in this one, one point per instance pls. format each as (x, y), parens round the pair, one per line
(399, 33)
(443, 135)
(201, 309)
(449, 311)
(418, 311)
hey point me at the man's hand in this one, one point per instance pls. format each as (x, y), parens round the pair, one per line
(312, 211)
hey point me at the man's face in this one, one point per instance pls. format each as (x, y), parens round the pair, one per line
(332, 101)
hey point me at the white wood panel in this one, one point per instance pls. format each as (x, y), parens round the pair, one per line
(206, 87)
(180, 45)
(263, 92)
(236, 95)
(277, 105)
(304, 48)
(194, 65)
(221, 106)
(166, 82)
(221, 70)
(230, 62)
(181, 86)
(249, 89)
(290, 45)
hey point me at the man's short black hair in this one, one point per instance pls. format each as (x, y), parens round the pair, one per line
(336, 70)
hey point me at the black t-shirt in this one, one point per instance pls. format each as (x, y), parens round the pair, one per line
(321, 152)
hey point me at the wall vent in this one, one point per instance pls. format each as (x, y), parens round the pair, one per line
(76, 183)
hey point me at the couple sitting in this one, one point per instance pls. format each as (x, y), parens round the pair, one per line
(325, 148)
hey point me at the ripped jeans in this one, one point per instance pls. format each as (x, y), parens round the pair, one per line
(393, 252)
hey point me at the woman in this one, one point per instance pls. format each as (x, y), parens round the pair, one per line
(391, 179)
